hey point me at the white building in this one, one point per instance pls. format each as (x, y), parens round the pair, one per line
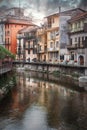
(77, 45)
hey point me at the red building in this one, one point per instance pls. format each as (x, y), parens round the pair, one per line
(12, 26)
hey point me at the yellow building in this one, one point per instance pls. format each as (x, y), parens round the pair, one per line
(53, 38)
(42, 44)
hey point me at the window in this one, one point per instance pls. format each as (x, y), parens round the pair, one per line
(51, 44)
(70, 41)
(53, 20)
(8, 32)
(75, 39)
(28, 51)
(78, 25)
(79, 41)
(52, 35)
(34, 47)
(82, 39)
(56, 55)
(28, 44)
(8, 40)
(86, 38)
(61, 57)
(7, 25)
(72, 56)
(34, 51)
(57, 43)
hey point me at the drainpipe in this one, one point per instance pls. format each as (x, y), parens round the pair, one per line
(59, 32)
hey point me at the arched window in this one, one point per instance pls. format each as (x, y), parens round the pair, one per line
(81, 60)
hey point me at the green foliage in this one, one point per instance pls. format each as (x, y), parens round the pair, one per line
(75, 74)
(56, 73)
(4, 52)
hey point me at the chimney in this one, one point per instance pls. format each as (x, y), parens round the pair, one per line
(59, 9)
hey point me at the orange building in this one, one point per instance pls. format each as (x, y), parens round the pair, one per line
(12, 26)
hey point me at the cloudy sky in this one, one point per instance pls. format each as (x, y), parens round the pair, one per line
(40, 8)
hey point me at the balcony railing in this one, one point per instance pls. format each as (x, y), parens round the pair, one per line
(20, 36)
(53, 49)
(41, 32)
(73, 46)
(75, 30)
(27, 37)
(76, 46)
(40, 51)
(30, 37)
(30, 47)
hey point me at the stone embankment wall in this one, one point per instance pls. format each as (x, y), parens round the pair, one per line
(49, 68)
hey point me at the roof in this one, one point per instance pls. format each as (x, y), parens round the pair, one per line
(65, 12)
(78, 17)
(16, 21)
(28, 29)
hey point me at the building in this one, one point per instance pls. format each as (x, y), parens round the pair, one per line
(77, 45)
(27, 44)
(42, 43)
(10, 23)
(57, 36)
(52, 37)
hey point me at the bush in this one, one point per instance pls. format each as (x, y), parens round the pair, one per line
(4, 53)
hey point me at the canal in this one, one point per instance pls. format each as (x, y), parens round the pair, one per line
(42, 102)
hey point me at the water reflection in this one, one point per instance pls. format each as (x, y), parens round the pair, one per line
(37, 104)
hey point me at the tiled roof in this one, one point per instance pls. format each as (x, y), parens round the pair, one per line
(80, 16)
(65, 12)
(16, 21)
(28, 29)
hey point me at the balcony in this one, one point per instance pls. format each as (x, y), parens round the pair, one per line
(73, 46)
(80, 45)
(27, 37)
(29, 47)
(76, 46)
(76, 30)
(82, 28)
(30, 37)
(40, 51)
(41, 32)
(54, 49)
(20, 36)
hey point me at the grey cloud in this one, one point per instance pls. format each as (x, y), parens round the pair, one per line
(45, 5)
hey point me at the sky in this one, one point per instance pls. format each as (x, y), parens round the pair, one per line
(40, 8)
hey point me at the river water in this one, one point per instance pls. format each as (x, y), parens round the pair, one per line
(40, 102)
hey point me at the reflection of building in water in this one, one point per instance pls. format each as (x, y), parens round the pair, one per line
(24, 95)
(42, 92)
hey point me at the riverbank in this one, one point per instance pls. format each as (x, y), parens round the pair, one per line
(57, 73)
(7, 82)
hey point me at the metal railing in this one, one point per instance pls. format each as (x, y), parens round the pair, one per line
(6, 67)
